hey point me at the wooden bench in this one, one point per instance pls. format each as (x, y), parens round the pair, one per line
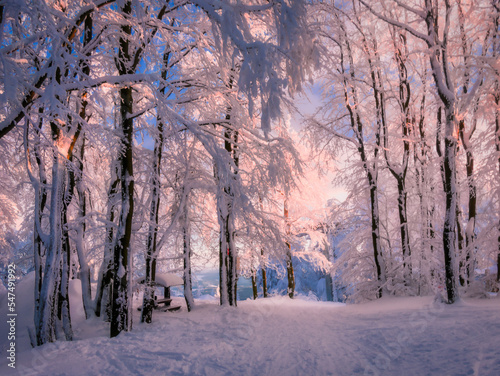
(170, 309)
(165, 280)
(165, 301)
(167, 307)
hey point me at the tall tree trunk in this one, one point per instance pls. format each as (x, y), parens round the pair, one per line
(496, 98)
(121, 273)
(438, 58)
(375, 231)
(262, 262)
(80, 237)
(227, 250)
(64, 313)
(460, 244)
(465, 136)
(40, 202)
(450, 188)
(497, 145)
(264, 274)
(80, 232)
(289, 263)
(187, 251)
(470, 230)
(226, 177)
(421, 159)
(120, 315)
(64, 304)
(105, 278)
(448, 176)
(151, 252)
(403, 226)
(399, 173)
(49, 294)
(54, 299)
(402, 203)
(253, 277)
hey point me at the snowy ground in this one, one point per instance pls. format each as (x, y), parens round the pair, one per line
(277, 336)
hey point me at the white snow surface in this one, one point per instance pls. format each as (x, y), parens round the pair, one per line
(274, 336)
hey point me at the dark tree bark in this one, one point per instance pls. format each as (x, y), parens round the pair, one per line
(120, 319)
(264, 275)
(227, 257)
(470, 230)
(449, 229)
(127, 62)
(289, 264)
(64, 305)
(40, 202)
(121, 273)
(254, 284)
(460, 243)
(262, 262)
(375, 227)
(454, 236)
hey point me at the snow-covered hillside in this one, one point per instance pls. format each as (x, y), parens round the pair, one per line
(275, 336)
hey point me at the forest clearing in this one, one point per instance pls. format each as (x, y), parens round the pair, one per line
(250, 186)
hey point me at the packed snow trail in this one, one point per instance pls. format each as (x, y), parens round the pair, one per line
(279, 336)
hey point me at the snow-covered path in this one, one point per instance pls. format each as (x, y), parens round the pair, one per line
(398, 336)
